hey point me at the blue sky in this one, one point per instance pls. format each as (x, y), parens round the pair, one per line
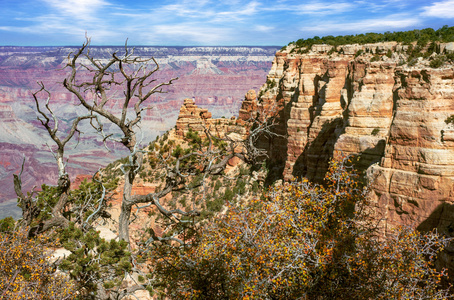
(209, 22)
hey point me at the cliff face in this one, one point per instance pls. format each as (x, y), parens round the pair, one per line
(388, 114)
(413, 183)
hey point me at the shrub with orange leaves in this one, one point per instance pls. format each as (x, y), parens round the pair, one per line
(25, 269)
(303, 241)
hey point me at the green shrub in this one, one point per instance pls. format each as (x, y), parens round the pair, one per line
(375, 131)
(194, 139)
(270, 84)
(7, 224)
(437, 62)
(177, 152)
(450, 120)
(228, 195)
(93, 260)
(358, 53)
(389, 53)
(376, 57)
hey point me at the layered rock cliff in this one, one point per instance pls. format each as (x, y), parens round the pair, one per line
(368, 101)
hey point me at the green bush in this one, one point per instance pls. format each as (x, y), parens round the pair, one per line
(437, 62)
(375, 131)
(389, 53)
(7, 224)
(450, 120)
(270, 83)
(194, 139)
(228, 195)
(376, 57)
(93, 260)
(177, 152)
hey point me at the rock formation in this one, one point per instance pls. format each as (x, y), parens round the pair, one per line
(414, 180)
(389, 114)
(191, 117)
(249, 106)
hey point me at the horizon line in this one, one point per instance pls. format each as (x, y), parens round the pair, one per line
(144, 46)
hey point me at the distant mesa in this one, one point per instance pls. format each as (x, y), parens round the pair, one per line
(205, 66)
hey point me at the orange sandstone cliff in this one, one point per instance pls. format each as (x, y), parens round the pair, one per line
(390, 114)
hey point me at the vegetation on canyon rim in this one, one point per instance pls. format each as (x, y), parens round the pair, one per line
(297, 240)
(422, 36)
(421, 43)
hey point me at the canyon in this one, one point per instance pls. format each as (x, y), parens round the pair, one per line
(215, 77)
(367, 101)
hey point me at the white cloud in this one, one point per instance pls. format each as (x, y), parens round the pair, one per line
(263, 28)
(17, 29)
(77, 6)
(187, 33)
(48, 24)
(185, 11)
(206, 11)
(384, 5)
(442, 9)
(71, 18)
(250, 9)
(389, 23)
(312, 8)
(324, 8)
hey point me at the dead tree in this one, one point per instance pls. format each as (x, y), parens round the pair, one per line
(50, 121)
(133, 76)
(211, 159)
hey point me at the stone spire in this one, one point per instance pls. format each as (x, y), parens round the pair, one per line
(191, 117)
(249, 106)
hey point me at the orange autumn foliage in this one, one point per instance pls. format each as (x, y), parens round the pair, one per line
(303, 241)
(25, 270)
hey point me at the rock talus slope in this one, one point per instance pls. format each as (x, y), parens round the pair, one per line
(387, 113)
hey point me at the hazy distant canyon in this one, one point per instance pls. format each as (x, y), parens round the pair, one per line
(216, 77)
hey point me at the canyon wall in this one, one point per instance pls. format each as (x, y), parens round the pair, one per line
(360, 100)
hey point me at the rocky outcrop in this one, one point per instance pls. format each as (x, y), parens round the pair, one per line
(191, 117)
(248, 106)
(363, 101)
